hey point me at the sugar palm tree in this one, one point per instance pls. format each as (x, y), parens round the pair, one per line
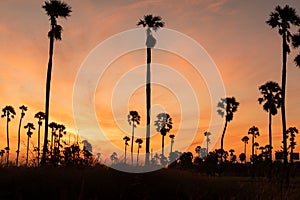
(283, 19)
(54, 127)
(256, 145)
(139, 142)
(29, 127)
(271, 97)
(292, 131)
(227, 106)
(133, 120)
(172, 136)
(126, 139)
(207, 134)
(245, 139)
(296, 44)
(163, 125)
(40, 116)
(9, 113)
(23, 110)
(255, 133)
(54, 9)
(198, 150)
(151, 23)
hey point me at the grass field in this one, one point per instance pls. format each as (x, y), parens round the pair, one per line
(105, 183)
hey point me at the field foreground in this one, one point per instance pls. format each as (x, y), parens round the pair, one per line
(105, 183)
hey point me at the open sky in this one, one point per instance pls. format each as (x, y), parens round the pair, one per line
(246, 51)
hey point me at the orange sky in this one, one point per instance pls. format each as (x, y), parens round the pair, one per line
(234, 33)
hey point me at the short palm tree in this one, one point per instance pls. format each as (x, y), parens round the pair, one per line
(245, 139)
(23, 110)
(54, 128)
(271, 97)
(172, 136)
(29, 127)
(255, 133)
(283, 19)
(40, 116)
(207, 134)
(163, 125)
(227, 106)
(54, 9)
(133, 120)
(8, 112)
(198, 150)
(139, 142)
(126, 139)
(292, 131)
(154, 23)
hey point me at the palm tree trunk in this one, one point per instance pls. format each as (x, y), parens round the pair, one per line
(132, 138)
(283, 83)
(125, 153)
(252, 145)
(245, 151)
(163, 145)
(27, 151)
(270, 135)
(148, 104)
(291, 155)
(19, 138)
(38, 157)
(48, 83)
(222, 141)
(206, 145)
(137, 158)
(171, 146)
(7, 139)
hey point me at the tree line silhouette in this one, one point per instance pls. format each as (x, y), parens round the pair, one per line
(57, 152)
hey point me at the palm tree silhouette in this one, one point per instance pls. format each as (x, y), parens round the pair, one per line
(198, 150)
(133, 120)
(172, 136)
(54, 127)
(283, 18)
(126, 139)
(23, 110)
(227, 106)
(256, 145)
(292, 131)
(139, 142)
(9, 113)
(271, 93)
(29, 127)
(245, 139)
(163, 125)
(255, 133)
(296, 44)
(40, 116)
(54, 9)
(151, 22)
(207, 134)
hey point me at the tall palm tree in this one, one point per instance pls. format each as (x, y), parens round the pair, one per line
(154, 23)
(54, 9)
(163, 125)
(8, 112)
(255, 133)
(271, 96)
(283, 19)
(23, 110)
(292, 131)
(139, 142)
(29, 127)
(227, 106)
(172, 136)
(207, 134)
(126, 139)
(245, 139)
(133, 120)
(40, 116)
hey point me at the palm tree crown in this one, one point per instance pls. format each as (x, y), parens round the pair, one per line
(151, 22)
(163, 123)
(9, 112)
(30, 127)
(245, 139)
(271, 92)
(134, 118)
(227, 106)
